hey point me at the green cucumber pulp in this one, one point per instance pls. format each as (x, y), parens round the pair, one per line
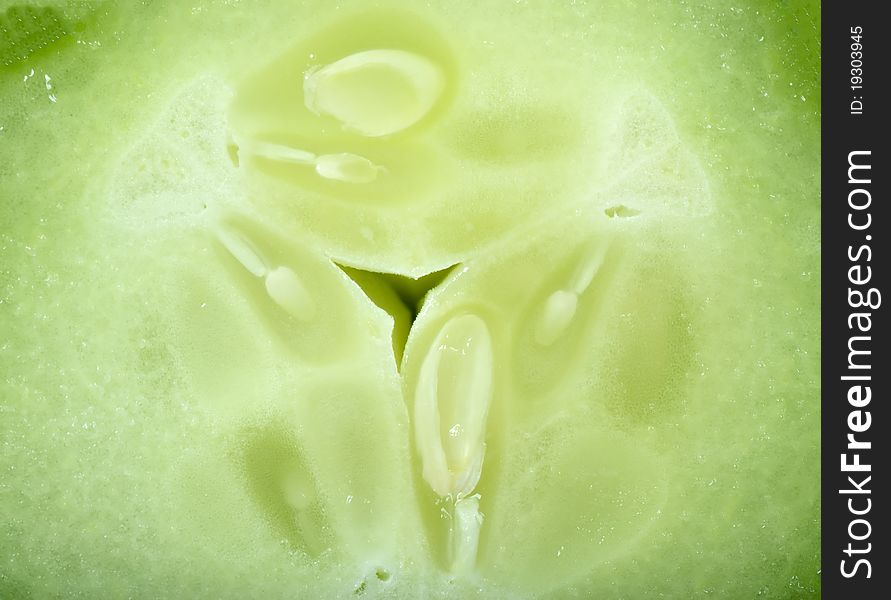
(402, 300)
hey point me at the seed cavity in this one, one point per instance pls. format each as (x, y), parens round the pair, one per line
(283, 285)
(277, 152)
(347, 167)
(342, 166)
(560, 307)
(284, 488)
(452, 401)
(588, 266)
(287, 290)
(375, 92)
(242, 251)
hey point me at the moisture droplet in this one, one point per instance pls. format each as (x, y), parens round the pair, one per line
(376, 92)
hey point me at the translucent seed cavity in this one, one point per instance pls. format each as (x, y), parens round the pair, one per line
(559, 309)
(452, 401)
(343, 166)
(376, 92)
(278, 152)
(347, 167)
(590, 263)
(243, 251)
(287, 290)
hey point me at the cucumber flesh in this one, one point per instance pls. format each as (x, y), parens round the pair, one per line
(541, 325)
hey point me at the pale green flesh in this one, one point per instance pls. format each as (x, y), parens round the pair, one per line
(208, 389)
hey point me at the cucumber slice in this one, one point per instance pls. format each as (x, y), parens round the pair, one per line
(543, 324)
